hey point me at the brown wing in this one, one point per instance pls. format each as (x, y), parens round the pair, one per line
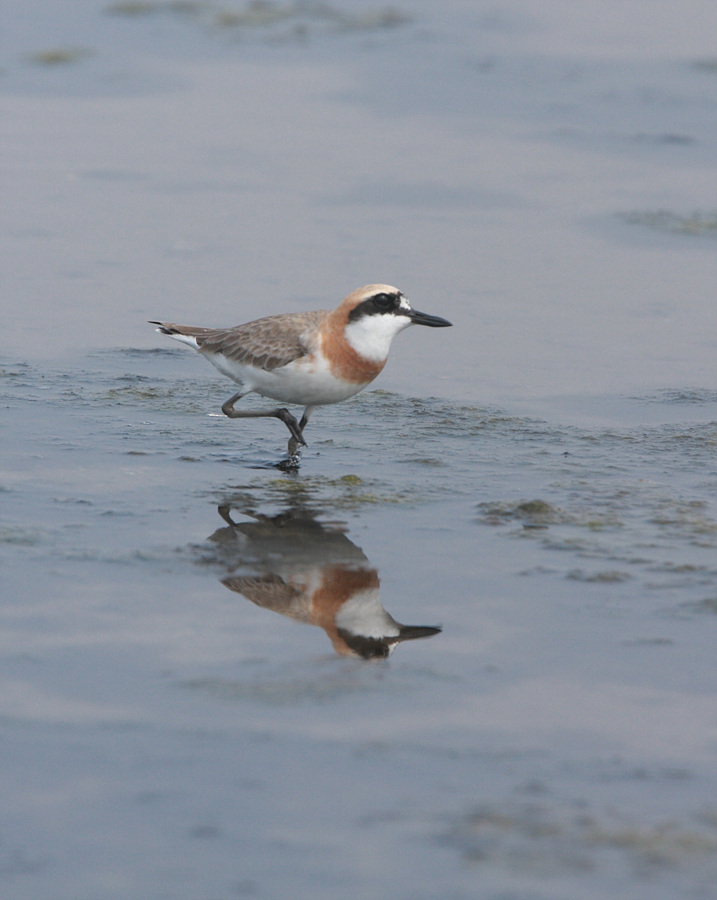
(267, 343)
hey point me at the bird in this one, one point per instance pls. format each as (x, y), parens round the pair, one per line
(306, 358)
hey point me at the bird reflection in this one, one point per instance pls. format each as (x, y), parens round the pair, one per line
(312, 573)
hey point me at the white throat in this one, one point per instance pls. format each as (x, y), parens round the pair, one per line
(371, 336)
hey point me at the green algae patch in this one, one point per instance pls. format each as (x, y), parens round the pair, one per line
(697, 223)
(60, 56)
(280, 19)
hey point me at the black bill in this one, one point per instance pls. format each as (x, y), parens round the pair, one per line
(419, 318)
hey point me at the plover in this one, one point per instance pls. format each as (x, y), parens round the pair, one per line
(306, 358)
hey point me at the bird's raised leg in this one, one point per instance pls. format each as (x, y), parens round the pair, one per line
(283, 414)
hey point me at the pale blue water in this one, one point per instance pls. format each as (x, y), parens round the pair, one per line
(539, 480)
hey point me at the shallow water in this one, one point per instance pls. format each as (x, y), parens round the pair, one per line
(557, 738)
(540, 481)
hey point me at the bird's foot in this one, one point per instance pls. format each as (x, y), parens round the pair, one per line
(290, 464)
(294, 448)
(293, 457)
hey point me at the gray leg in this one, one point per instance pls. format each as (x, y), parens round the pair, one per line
(293, 443)
(283, 414)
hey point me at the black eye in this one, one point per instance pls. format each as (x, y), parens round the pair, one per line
(383, 301)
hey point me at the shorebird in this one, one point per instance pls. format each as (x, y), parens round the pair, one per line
(306, 358)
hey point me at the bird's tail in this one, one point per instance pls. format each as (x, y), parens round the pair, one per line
(163, 328)
(187, 334)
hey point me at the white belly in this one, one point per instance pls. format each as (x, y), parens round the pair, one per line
(306, 383)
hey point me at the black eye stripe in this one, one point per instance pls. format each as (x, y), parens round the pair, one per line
(378, 304)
